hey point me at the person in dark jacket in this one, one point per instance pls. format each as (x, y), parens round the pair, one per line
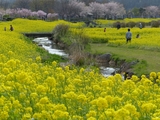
(11, 28)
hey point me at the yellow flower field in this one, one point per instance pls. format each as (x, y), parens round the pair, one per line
(31, 90)
(107, 22)
(149, 37)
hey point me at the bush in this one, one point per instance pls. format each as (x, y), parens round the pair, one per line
(114, 25)
(122, 24)
(154, 24)
(59, 31)
(7, 18)
(131, 24)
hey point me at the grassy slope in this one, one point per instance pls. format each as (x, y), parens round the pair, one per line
(151, 57)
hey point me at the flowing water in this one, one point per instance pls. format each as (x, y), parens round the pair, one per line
(49, 46)
(53, 49)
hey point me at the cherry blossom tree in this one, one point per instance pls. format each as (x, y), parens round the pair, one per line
(34, 14)
(61, 7)
(75, 9)
(52, 16)
(152, 11)
(97, 9)
(41, 14)
(24, 12)
(86, 11)
(12, 13)
(114, 9)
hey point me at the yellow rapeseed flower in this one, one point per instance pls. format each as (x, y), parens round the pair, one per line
(82, 98)
(58, 114)
(91, 113)
(102, 103)
(153, 74)
(44, 100)
(4, 115)
(5, 71)
(38, 59)
(91, 118)
(122, 114)
(26, 116)
(148, 108)
(110, 113)
(41, 89)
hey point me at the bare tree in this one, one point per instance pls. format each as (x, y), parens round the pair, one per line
(48, 6)
(4, 4)
(22, 4)
(75, 8)
(61, 7)
(36, 5)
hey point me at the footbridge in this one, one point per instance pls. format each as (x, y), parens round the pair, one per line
(39, 34)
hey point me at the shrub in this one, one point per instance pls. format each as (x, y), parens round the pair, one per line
(122, 24)
(59, 31)
(154, 24)
(131, 24)
(7, 18)
(114, 25)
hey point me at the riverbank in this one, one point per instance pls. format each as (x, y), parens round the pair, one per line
(150, 57)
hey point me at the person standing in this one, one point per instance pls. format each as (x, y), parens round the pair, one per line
(5, 29)
(118, 26)
(128, 36)
(11, 28)
(140, 25)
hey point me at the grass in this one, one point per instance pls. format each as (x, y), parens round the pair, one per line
(151, 57)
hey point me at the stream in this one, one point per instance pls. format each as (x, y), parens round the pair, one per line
(49, 46)
(53, 49)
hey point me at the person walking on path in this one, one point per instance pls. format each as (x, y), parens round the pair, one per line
(128, 36)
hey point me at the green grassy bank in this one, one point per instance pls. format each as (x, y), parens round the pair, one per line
(151, 57)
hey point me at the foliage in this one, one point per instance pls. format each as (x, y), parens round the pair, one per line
(78, 43)
(131, 24)
(154, 24)
(7, 18)
(59, 31)
(141, 68)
